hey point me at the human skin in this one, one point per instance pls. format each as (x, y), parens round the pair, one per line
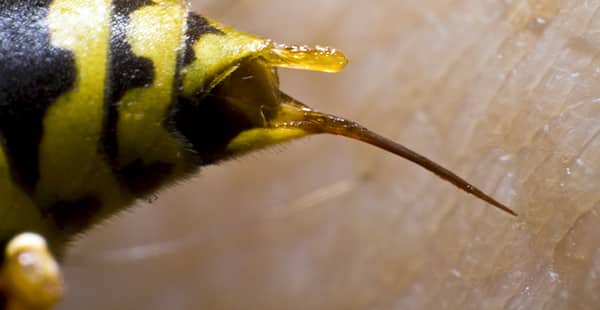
(505, 93)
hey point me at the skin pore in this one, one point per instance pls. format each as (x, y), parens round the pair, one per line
(503, 93)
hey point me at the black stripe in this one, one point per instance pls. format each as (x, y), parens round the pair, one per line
(33, 74)
(72, 217)
(3, 301)
(206, 124)
(143, 179)
(126, 71)
(197, 26)
(197, 126)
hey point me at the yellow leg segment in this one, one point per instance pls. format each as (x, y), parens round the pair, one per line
(30, 277)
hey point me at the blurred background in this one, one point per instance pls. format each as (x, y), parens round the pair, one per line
(504, 92)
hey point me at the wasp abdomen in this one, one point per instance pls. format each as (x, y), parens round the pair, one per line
(126, 71)
(85, 89)
(105, 101)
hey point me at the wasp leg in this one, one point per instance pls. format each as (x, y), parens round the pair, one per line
(30, 277)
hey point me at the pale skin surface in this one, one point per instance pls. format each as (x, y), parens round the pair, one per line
(505, 93)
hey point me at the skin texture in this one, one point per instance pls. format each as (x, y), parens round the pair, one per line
(505, 93)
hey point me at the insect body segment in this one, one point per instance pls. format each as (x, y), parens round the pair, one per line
(71, 126)
(141, 110)
(106, 101)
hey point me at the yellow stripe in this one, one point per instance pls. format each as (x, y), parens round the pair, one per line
(17, 211)
(70, 164)
(156, 32)
(217, 56)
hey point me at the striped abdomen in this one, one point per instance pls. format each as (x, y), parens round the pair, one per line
(104, 101)
(87, 91)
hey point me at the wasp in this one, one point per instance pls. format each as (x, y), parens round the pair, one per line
(103, 102)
